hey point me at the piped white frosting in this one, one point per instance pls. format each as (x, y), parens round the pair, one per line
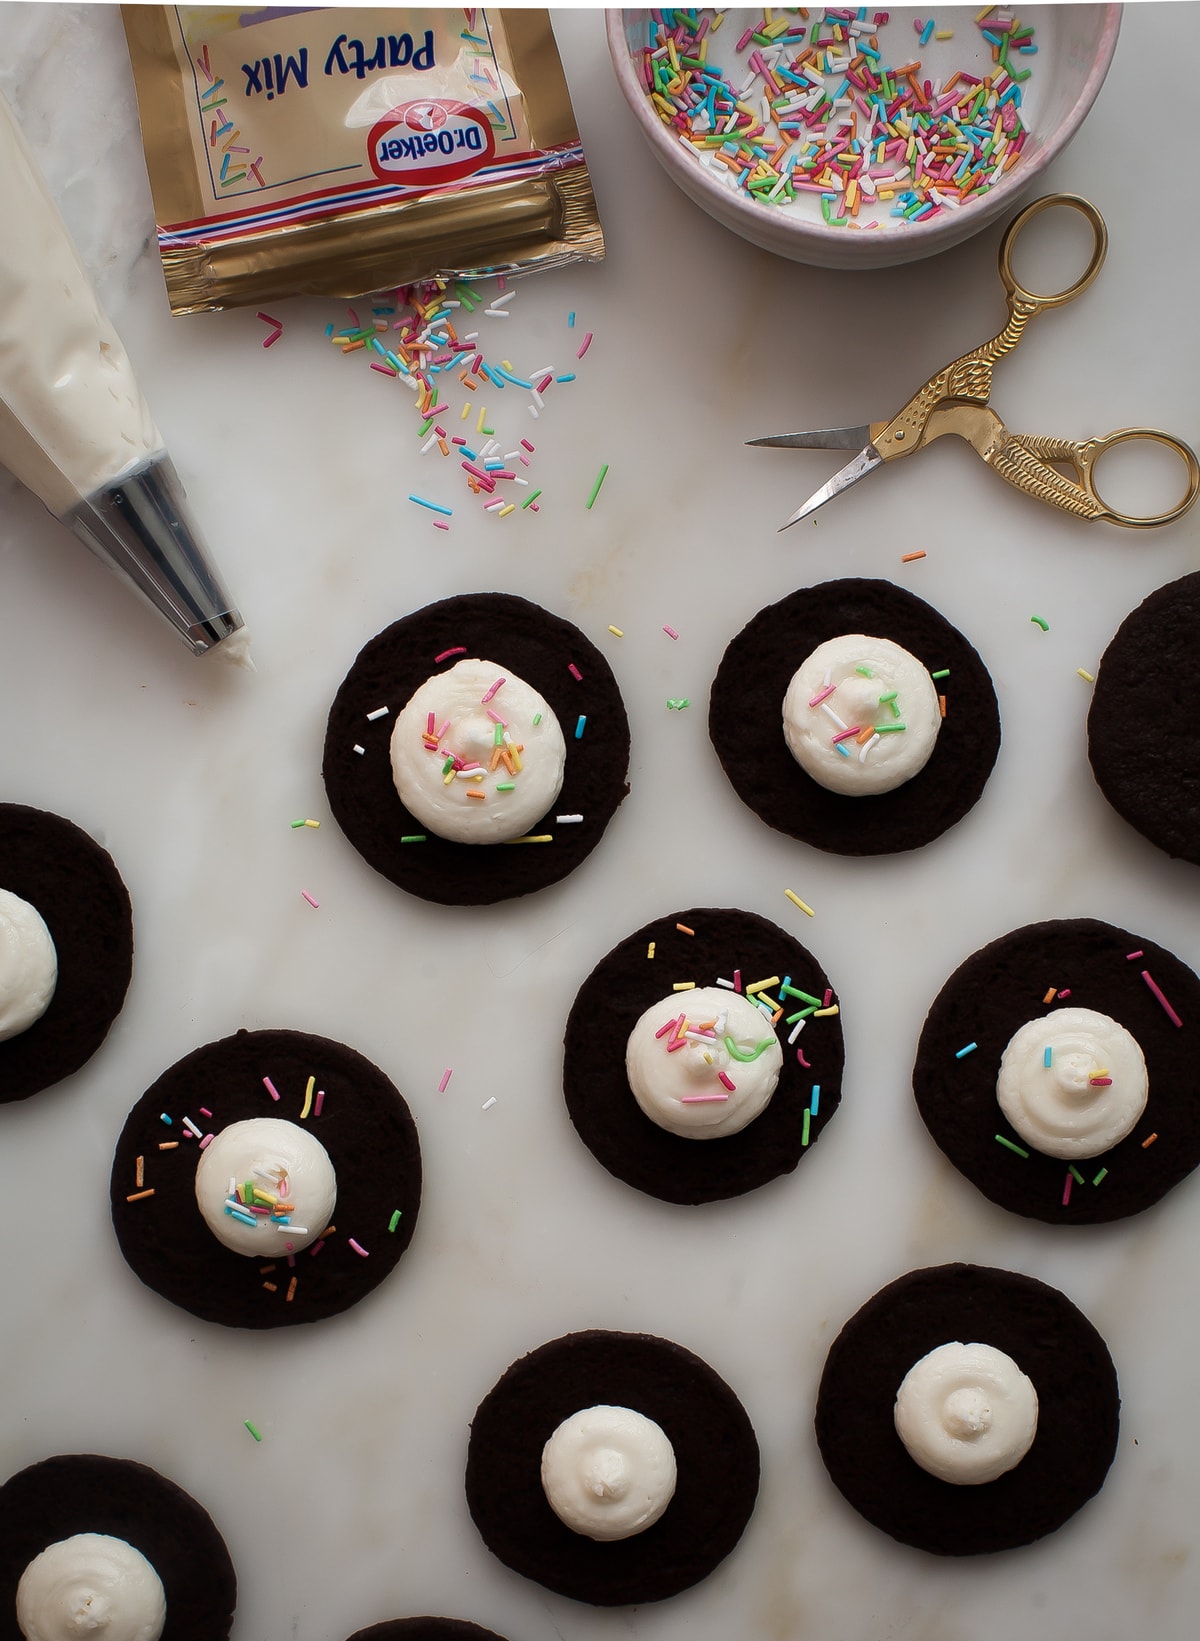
(1087, 1098)
(608, 1472)
(91, 1585)
(28, 965)
(703, 1063)
(477, 754)
(966, 1413)
(858, 683)
(282, 1161)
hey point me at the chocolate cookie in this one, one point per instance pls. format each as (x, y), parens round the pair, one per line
(626, 983)
(745, 720)
(1141, 725)
(716, 1457)
(364, 1125)
(540, 648)
(86, 1493)
(1050, 1341)
(426, 1629)
(72, 882)
(1080, 963)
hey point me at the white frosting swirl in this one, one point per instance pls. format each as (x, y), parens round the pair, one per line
(293, 1181)
(966, 1413)
(683, 1073)
(608, 1472)
(1090, 1095)
(860, 683)
(90, 1585)
(28, 965)
(469, 761)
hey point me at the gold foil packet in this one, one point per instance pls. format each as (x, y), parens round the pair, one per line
(332, 151)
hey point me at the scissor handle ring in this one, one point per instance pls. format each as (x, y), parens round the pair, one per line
(1125, 435)
(1074, 202)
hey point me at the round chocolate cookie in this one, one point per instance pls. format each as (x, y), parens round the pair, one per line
(540, 648)
(716, 1457)
(745, 720)
(85, 1493)
(355, 1112)
(1051, 1342)
(426, 1629)
(72, 883)
(1080, 963)
(1141, 725)
(726, 944)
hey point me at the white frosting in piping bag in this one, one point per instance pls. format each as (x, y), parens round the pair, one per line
(966, 1413)
(703, 1063)
(608, 1472)
(94, 1586)
(293, 1182)
(860, 684)
(28, 965)
(1073, 1083)
(477, 754)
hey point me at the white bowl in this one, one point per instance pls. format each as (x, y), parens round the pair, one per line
(1075, 47)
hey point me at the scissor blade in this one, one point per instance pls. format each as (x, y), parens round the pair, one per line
(865, 462)
(825, 438)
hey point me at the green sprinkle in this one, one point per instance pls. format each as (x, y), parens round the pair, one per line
(1075, 1174)
(295, 824)
(394, 1221)
(943, 673)
(529, 500)
(888, 729)
(866, 673)
(1009, 1146)
(890, 696)
(1041, 622)
(1100, 1176)
(447, 766)
(804, 1135)
(256, 1434)
(679, 704)
(735, 1053)
(506, 786)
(414, 837)
(596, 487)
(498, 735)
(537, 718)
(804, 996)
(426, 427)
(803, 1014)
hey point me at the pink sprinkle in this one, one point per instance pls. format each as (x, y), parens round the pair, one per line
(674, 1047)
(362, 1252)
(1171, 1014)
(737, 979)
(1129, 956)
(317, 1246)
(429, 723)
(545, 383)
(445, 1079)
(745, 40)
(496, 718)
(309, 898)
(828, 998)
(525, 444)
(446, 654)
(318, 1102)
(270, 1088)
(824, 695)
(1100, 1082)
(670, 1026)
(1067, 1188)
(207, 1140)
(574, 671)
(205, 1112)
(1066, 992)
(802, 1060)
(701, 1099)
(587, 342)
(845, 734)
(670, 632)
(486, 698)
(724, 1078)
(457, 440)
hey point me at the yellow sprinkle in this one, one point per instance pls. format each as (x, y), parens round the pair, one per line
(616, 631)
(308, 1096)
(761, 985)
(796, 901)
(684, 985)
(466, 411)
(1088, 677)
(511, 508)
(650, 949)
(482, 418)
(819, 1014)
(943, 34)
(312, 823)
(540, 837)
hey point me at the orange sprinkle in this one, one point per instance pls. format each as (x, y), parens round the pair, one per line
(1050, 995)
(353, 347)
(265, 1270)
(864, 735)
(138, 1195)
(168, 1145)
(270, 1287)
(140, 1172)
(474, 792)
(907, 558)
(1149, 1141)
(291, 1293)
(683, 928)
(942, 705)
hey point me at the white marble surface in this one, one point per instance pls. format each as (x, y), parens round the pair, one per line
(298, 465)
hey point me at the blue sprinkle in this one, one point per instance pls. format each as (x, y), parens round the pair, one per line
(969, 1049)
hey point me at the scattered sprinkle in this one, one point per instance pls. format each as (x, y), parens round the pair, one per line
(394, 1221)
(600, 478)
(683, 929)
(1130, 956)
(459, 649)
(1040, 621)
(670, 632)
(137, 1196)
(488, 1104)
(309, 898)
(358, 1248)
(269, 341)
(162, 1117)
(683, 985)
(677, 703)
(574, 671)
(1088, 677)
(805, 1136)
(1149, 1140)
(1009, 1146)
(796, 901)
(568, 820)
(270, 1088)
(650, 949)
(1098, 1177)
(379, 712)
(414, 837)
(539, 837)
(1170, 1012)
(256, 1433)
(446, 1075)
(961, 1053)
(1067, 1183)
(908, 558)
(433, 506)
(579, 726)
(616, 631)
(1050, 995)
(585, 345)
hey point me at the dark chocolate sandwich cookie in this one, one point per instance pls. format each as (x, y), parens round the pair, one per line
(304, 1273)
(702, 946)
(745, 720)
(86, 1493)
(1052, 1344)
(72, 883)
(1141, 727)
(545, 652)
(1030, 974)
(716, 1459)
(426, 1629)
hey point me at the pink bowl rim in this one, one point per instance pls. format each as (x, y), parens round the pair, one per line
(930, 232)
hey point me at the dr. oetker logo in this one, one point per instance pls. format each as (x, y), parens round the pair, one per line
(430, 142)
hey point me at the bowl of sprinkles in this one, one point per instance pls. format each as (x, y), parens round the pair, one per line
(847, 137)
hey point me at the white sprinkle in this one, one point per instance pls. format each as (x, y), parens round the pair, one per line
(568, 820)
(797, 1029)
(379, 712)
(828, 710)
(191, 1128)
(728, 984)
(862, 757)
(488, 1103)
(293, 1230)
(359, 749)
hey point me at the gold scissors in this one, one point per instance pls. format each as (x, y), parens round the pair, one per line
(956, 401)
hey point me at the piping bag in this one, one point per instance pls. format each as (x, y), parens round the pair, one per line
(74, 426)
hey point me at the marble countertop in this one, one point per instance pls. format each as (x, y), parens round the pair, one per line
(299, 465)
